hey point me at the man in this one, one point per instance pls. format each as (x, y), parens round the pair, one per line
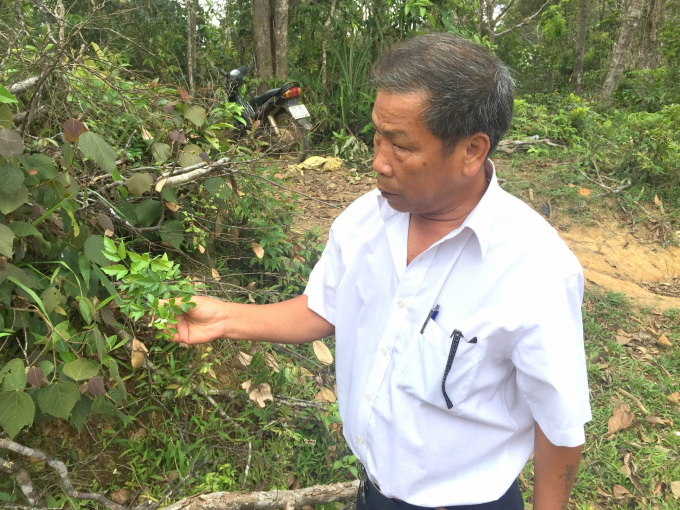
(456, 308)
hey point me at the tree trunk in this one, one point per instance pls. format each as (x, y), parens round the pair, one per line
(490, 6)
(191, 45)
(324, 44)
(650, 40)
(480, 17)
(263, 37)
(622, 51)
(579, 55)
(280, 39)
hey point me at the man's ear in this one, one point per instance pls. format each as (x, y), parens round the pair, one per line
(476, 147)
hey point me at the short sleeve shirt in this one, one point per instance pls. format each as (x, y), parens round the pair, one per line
(504, 277)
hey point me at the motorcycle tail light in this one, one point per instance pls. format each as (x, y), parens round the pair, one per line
(292, 93)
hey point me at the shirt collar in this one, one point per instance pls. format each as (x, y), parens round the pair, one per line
(480, 220)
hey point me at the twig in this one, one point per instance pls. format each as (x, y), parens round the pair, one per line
(26, 84)
(634, 399)
(123, 158)
(245, 473)
(61, 470)
(526, 20)
(22, 477)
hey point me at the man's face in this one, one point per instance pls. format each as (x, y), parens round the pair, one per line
(413, 173)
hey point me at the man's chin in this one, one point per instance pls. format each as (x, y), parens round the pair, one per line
(397, 202)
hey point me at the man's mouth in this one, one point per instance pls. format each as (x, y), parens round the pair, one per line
(387, 194)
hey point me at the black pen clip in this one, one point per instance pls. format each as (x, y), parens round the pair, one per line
(432, 313)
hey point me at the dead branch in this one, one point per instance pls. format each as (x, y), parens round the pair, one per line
(22, 477)
(190, 174)
(526, 20)
(20, 117)
(61, 470)
(530, 141)
(287, 500)
(23, 85)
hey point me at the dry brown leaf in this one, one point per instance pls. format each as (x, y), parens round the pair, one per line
(625, 470)
(172, 207)
(246, 385)
(674, 397)
(620, 492)
(215, 274)
(675, 489)
(160, 184)
(571, 185)
(658, 202)
(322, 352)
(584, 192)
(121, 496)
(332, 164)
(139, 433)
(306, 372)
(145, 134)
(531, 194)
(139, 346)
(621, 418)
(259, 251)
(201, 248)
(326, 395)
(183, 94)
(655, 419)
(244, 358)
(108, 233)
(272, 362)
(261, 394)
(136, 359)
(622, 332)
(250, 298)
(622, 340)
(663, 341)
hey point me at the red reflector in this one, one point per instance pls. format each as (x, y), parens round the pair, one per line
(292, 92)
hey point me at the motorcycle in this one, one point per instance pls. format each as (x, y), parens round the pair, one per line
(277, 111)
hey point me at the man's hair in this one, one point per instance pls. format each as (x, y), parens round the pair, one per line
(468, 91)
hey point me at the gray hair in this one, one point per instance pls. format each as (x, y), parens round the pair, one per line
(468, 91)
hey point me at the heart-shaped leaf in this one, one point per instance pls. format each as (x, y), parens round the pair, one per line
(6, 241)
(10, 143)
(11, 179)
(80, 369)
(6, 121)
(161, 152)
(195, 114)
(139, 184)
(43, 165)
(96, 148)
(34, 376)
(13, 375)
(58, 399)
(96, 385)
(73, 128)
(16, 411)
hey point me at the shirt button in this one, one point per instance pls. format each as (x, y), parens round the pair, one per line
(368, 398)
(383, 352)
(400, 304)
(361, 440)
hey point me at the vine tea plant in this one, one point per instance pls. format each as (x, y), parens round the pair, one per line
(145, 285)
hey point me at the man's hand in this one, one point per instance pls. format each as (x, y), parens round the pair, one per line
(555, 470)
(288, 322)
(203, 323)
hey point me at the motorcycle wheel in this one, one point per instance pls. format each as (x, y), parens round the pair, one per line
(293, 140)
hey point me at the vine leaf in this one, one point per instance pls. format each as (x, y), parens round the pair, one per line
(195, 114)
(6, 121)
(35, 376)
(68, 155)
(6, 241)
(10, 143)
(58, 399)
(16, 411)
(94, 250)
(139, 184)
(161, 152)
(13, 375)
(96, 148)
(96, 385)
(9, 202)
(80, 369)
(105, 222)
(73, 128)
(11, 179)
(217, 187)
(51, 299)
(43, 165)
(322, 352)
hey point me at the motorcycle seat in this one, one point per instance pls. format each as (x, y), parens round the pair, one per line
(260, 100)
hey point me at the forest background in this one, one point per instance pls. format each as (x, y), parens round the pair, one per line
(125, 177)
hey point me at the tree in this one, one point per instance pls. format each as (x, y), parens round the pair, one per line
(580, 46)
(621, 53)
(270, 26)
(650, 40)
(191, 44)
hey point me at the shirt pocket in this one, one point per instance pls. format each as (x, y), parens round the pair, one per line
(420, 371)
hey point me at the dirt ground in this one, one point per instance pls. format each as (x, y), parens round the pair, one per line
(615, 256)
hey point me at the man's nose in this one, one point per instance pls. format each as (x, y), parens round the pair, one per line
(381, 162)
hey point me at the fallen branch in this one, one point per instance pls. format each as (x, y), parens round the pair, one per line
(530, 141)
(23, 85)
(61, 470)
(287, 500)
(190, 174)
(20, 117)
(24, 480)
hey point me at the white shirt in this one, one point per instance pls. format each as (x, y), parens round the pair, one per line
(504, 277)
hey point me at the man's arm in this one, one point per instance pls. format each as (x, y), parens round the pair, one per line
(555, 469)
(288, 322)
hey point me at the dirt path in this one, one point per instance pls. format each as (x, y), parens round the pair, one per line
(613, 256)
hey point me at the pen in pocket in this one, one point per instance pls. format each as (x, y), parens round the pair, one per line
(430, 316)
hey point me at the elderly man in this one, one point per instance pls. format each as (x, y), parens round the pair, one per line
(455, 307)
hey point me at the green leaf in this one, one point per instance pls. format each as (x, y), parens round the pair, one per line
(68, 154)
(80, 412)
(13, 375)
(24, 229)
(161, 152)
(58, 399)
(195, 114)
(6, 241)
(6, 96)
(139, 184)
(99, 342)
(20, 275)
(86, 309)
(169, 194)
(172, 232)
(6, 121)
(96, 148)
(148, 211)
(11, 179)
(51, 298)
(217, 187)
(46, 366)
(10, 202)
(94, 250)
(85, 267)
(188, 158)
(16, 411)
(80, 369)
(10, 143)
(43, 165)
